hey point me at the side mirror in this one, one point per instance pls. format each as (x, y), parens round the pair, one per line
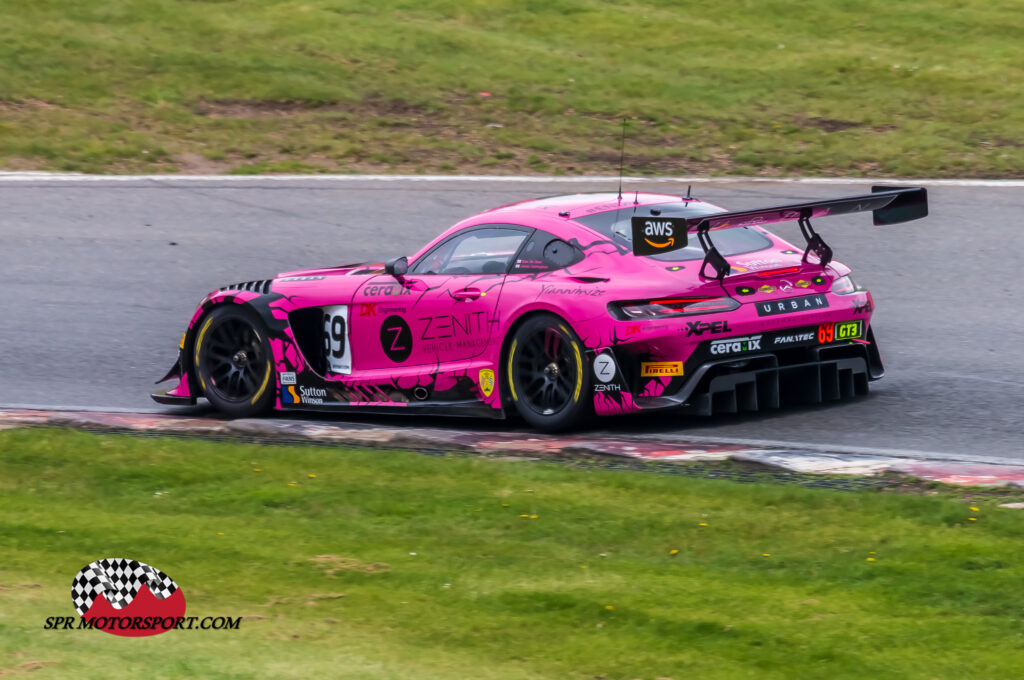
(397, 267)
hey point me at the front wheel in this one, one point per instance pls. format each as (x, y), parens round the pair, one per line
(233, 361)
(546, 373)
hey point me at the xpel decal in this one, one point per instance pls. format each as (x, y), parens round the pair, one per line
(701, 327)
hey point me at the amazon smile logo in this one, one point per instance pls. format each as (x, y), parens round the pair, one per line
(661, 231)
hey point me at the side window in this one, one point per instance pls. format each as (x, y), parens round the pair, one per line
(545, 253)
(487, 250)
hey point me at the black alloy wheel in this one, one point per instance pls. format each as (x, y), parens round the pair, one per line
(547, 374)
(233, 362)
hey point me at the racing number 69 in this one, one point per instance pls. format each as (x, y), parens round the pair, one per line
(334, 336)
(826, 332)
(337, 349)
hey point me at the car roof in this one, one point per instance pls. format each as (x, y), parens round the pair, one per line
(559, 215)
(579, 205)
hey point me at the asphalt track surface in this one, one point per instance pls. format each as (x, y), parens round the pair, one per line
(99, 279)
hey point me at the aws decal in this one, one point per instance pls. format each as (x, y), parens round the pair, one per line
(655, 234)
(660, 232)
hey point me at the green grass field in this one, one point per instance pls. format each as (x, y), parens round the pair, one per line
(384, 564)
(768, 87)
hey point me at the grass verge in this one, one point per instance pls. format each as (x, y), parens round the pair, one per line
(387, 564)
(734, 87)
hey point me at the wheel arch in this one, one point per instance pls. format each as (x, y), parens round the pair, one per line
(506, 341)
(188, 345)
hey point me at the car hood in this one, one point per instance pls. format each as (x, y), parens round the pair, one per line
(357, 269)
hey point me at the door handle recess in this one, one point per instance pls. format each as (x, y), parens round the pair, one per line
(467, 294)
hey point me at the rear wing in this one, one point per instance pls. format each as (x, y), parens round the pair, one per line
(888, 205)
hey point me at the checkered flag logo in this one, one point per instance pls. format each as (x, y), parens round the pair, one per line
(119, 581)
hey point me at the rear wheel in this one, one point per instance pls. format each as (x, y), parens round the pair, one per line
(546, 370)
(233, 361)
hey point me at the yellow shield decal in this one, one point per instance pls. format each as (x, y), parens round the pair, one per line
(486, 381)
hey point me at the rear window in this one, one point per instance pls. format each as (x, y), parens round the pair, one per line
(615, 224)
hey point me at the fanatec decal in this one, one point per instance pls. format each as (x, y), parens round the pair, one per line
(793, 339)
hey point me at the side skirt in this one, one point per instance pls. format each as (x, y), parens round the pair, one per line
(464, 409)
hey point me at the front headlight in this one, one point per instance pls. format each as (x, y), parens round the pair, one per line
(845, 286)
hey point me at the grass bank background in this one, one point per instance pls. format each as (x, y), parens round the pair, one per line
(380, 564)
(862, 87)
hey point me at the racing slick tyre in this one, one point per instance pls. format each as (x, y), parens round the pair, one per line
(233, 361)
(547, 373)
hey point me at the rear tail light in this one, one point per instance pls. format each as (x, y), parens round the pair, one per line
(670, 307)
(778, 272)
(845, 286)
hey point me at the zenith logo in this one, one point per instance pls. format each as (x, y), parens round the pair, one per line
(396, 333)
(659, 228)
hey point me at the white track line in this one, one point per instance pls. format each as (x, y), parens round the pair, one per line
(531, 179)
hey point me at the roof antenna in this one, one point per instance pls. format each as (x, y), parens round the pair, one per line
(636, 198)
(688, 196)
(622, 156)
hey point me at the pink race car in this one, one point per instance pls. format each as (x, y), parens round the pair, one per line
(555, 309)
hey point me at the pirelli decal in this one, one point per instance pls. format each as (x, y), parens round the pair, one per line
(659, 369)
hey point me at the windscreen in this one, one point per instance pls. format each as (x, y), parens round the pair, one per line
(616, 224)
